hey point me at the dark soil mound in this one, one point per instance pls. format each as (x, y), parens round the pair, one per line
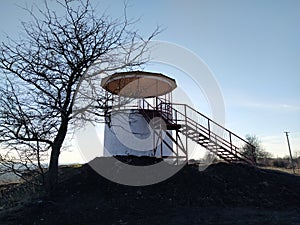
(221, 194)
(137, 160)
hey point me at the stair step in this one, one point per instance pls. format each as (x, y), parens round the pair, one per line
(195, 132)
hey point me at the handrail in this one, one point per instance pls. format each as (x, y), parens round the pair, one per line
(195, 124)
(209, 122)
(202, 115)
(168, 109)
(221, 140)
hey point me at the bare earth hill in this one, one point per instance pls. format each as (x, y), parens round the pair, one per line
(221, 194)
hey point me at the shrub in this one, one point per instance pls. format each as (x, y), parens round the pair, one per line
(281, 163)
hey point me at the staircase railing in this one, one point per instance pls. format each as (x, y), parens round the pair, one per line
(191, 119)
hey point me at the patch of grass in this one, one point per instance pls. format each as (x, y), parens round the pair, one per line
(290, 171)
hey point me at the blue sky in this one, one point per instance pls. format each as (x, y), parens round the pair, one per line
(251, 46)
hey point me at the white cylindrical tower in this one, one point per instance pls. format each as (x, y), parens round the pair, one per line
(136, 123)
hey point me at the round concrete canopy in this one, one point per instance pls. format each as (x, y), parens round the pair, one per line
(138, 84)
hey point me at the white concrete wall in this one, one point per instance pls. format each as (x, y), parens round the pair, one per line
(130, 134)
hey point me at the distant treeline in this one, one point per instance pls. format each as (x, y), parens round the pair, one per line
(284, 162)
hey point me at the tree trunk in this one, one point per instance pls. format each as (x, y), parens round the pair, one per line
(52, 178)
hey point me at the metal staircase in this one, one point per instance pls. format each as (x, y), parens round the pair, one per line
(195, 126)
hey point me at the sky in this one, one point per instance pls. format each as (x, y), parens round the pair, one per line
(252, 48)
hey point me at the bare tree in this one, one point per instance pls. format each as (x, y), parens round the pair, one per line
(258, 153)
(47, 75)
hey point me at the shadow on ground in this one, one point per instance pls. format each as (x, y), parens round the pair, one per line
(221, 194)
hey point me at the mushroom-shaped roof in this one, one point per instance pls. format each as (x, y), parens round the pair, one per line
(138, 84)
